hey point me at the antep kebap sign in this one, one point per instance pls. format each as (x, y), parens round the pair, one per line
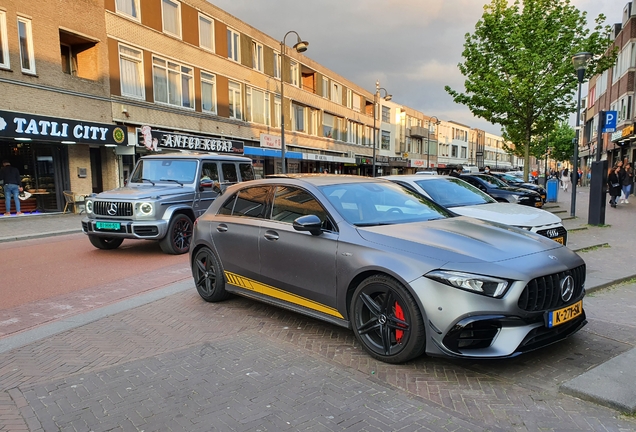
(154, 139)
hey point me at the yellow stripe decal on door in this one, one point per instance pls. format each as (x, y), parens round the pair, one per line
(270, 291)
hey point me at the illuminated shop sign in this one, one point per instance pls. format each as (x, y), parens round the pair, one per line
(154, 140)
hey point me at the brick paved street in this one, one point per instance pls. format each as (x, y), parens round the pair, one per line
(179, 363)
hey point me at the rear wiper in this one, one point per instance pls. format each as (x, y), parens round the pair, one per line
(148, 180)
(172, 180)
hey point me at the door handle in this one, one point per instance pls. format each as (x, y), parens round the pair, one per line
(271, 235)
(221, 228)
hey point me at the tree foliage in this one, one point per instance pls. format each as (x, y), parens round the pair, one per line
(518, 66)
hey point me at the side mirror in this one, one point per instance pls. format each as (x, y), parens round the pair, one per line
(310, 223)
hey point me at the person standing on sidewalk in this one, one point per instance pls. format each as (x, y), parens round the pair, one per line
(627, 181)
(565, 179)
(613, 185)
(12, 186)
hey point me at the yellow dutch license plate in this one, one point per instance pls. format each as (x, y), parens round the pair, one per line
(566, 314)
(558, 239)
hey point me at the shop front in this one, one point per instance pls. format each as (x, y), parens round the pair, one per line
(622, 148)
(365, 166)
(399, 165)
(44, 149)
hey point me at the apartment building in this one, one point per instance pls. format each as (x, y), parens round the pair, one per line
(613, 90)
(55, 120)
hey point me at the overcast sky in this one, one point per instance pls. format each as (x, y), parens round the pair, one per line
(411, 46)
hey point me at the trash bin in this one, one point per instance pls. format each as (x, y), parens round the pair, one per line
(552, 190)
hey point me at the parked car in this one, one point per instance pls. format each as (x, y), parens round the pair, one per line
(162, 199)
(426, 172)
(502, 192)
(466, 200)
(512, 180)
(403, 272)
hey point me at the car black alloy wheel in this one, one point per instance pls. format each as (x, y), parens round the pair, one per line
(177, 240)
(387, 321)
(208, 276)
(106, 243)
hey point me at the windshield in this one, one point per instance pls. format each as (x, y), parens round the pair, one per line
(453, 192)
(511, 179)
(381, 203)
(493, 182)
(164, 170)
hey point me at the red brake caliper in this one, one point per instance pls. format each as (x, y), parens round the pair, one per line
(399, 314)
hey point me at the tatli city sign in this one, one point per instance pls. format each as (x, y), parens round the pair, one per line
(26, 126)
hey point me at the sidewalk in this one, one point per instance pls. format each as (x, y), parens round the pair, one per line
(607, 251)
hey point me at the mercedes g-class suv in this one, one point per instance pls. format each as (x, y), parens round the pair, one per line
(162, 199)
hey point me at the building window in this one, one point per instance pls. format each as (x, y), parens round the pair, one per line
(69, 61)
(257, 56)
(464, 151)
(235, 104)
(206, 33)
(293, 73)
(128, 7)
(257, 106)
(325, 87)
(27, 58)
(356, 102)
(131, 72)
(336, 93)
(385, 144)
(276, 65)
(327, 125)
(298, 118)
(386, 114)
(4, 45)
(208, 92)
(173, 83)
(233, 45)
(171, 11)
(349, 98)
(277, 111)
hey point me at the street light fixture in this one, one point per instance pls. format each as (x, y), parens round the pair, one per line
(428, 140)
(579, 61)
(376, 95)
(300, 46)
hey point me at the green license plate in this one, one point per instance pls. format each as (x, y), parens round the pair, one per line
(108, 225)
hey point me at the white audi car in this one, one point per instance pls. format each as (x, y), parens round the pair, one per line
(466, 200)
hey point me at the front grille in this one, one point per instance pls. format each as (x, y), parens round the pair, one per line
(554, 233)
(544, 293)
(122, 209)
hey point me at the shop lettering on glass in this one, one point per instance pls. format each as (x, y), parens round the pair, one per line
(152, 139)
(17, 125)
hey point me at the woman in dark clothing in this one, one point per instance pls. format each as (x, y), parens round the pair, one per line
(613, 185)
(628, 179)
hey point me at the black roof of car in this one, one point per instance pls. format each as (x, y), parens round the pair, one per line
(215, 156)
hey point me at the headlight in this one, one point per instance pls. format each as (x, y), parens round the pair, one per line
(524, 228)
(89, 206)
(486, 285)
(145, 208)
(514, 198)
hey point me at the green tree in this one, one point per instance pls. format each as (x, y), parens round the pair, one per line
(561, 142)
(518, 67)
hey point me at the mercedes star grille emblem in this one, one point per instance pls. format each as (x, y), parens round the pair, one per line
(567, 288)
(112, 209)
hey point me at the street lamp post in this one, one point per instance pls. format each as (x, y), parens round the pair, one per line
(428, 140)
(300, 46)
(376, 95)
(580, 63)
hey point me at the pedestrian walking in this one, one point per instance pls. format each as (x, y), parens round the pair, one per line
(565, 179)
(613, 185)
(626, 182)
(10, 177)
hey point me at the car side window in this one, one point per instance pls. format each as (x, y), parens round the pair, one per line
(251, 202)
(209, 174)
(247, 172)
(291, 203)
(229, 173)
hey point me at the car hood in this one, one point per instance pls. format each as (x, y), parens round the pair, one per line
(459, 239)
(514, 189)
(509, 214)
(141, 192)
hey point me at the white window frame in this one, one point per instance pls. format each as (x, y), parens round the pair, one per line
(140, 71)
(174, 68)
(163, 16)
(294, 72)
(250, 97)
(277, 64)
(30, 53)
(235, 95)
(295, 108)
(211, 21)
(4, 43)
(336, 93)
(258, 63)
(325, 87)
(209, 78)
(355, 103)
(135, 3)
(349, 98)
(233, 49)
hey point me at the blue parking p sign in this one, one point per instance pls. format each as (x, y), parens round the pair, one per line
(609, 122)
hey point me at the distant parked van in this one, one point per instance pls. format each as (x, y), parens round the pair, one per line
(470, 169)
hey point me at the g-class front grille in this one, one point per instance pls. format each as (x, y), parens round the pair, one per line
(113, 208)
(544, 293)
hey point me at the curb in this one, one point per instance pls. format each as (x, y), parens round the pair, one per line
(40, 235)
